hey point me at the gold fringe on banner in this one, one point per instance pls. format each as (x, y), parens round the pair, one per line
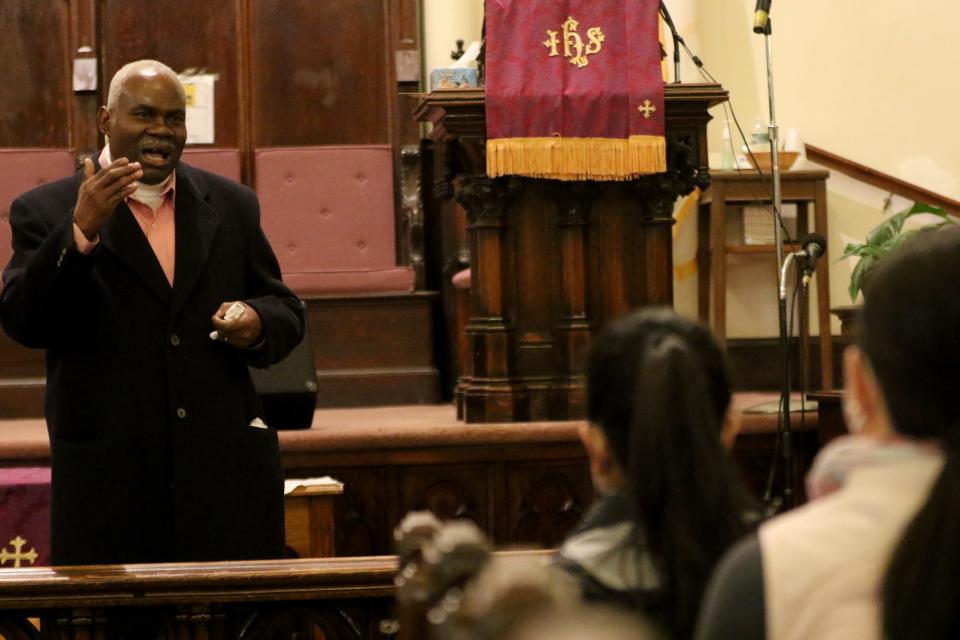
(577, 158)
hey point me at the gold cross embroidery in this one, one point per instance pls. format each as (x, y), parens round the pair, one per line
(18, 554)
(647, 109)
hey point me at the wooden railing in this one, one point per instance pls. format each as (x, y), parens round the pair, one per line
(334, 599)
(881, 180)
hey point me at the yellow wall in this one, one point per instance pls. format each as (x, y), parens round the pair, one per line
(869, 81)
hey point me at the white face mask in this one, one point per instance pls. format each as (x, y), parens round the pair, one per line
(853, 413)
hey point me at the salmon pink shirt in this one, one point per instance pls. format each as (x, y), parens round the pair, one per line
(153, 209)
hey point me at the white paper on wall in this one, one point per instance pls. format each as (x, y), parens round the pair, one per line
(199, 90)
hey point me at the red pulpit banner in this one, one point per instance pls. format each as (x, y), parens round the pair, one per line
(574, 89)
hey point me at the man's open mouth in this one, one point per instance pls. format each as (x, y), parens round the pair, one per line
(156, 155)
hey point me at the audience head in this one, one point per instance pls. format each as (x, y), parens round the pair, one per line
(657, 397)
(616, 371)
(145, 118)
(902, 377)
(908, 339)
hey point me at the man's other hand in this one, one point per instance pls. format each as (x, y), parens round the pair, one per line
(101, 192)
(242, 331)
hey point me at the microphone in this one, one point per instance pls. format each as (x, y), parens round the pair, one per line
(677, 40)
(761, 16)
(813, 246)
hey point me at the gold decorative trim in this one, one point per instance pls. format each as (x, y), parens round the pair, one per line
(577, 158)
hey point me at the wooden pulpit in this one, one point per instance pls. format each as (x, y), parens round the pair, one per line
(553, 261)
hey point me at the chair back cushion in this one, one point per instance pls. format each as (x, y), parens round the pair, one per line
(224, 162)
(20, 171)
(329, 214)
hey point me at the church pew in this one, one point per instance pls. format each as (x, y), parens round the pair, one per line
(343, 598)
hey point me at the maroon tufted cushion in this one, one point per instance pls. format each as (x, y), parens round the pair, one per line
(224, 162)
(329, 214)
(22, 170)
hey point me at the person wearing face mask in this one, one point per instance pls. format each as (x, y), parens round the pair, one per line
(123, 274)
(875, 555)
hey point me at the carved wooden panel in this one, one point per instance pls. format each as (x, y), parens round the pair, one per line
(320, 72)
(184, 35)
(544, 502)
(37, 73)
(361, 524)
(448, 491)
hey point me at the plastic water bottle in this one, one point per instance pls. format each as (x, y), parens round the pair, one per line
(760, 137)
(727, 161)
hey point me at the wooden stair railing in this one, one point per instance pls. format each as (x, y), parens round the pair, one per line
(334, 598)
(881, 180)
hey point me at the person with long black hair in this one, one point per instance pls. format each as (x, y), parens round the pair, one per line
(670, 506)
(880, 556)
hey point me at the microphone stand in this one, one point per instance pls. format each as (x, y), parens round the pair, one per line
(676, 41)
(786, 432)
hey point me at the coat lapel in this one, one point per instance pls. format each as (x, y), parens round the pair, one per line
(196, 225)
(124, 238)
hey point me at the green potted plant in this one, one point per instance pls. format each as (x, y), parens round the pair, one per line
(884, 238)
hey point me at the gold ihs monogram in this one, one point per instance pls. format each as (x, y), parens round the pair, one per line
(574, 48)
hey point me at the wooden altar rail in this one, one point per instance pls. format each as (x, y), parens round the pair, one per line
(340, 597)
(881, 180)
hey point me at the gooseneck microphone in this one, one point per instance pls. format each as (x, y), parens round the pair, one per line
(812, 246)
(677, 40)
(761, 16)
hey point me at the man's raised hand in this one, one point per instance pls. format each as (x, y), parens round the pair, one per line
(101, 192)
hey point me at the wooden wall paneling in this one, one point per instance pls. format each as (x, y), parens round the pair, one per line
(318, 72)
(183, 35)
(374, 349)
(37, 73)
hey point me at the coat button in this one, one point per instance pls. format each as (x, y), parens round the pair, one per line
(181, 413)
(175, 340)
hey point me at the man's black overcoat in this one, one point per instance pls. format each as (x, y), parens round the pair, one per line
(153, 455)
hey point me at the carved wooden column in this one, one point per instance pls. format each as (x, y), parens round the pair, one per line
(551, 262)
(574, 202)
(490, 389)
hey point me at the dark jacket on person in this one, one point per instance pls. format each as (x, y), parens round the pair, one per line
(607, 557)
(153, 454)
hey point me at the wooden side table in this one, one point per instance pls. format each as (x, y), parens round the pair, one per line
(747, 187)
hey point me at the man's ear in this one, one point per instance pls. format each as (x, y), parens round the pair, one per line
(103, 120)
(864, 396)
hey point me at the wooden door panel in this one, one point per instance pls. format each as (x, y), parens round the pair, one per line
(183, 35)
(320, 72)
(37, 73)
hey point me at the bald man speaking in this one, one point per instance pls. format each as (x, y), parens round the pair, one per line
(124, 273)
